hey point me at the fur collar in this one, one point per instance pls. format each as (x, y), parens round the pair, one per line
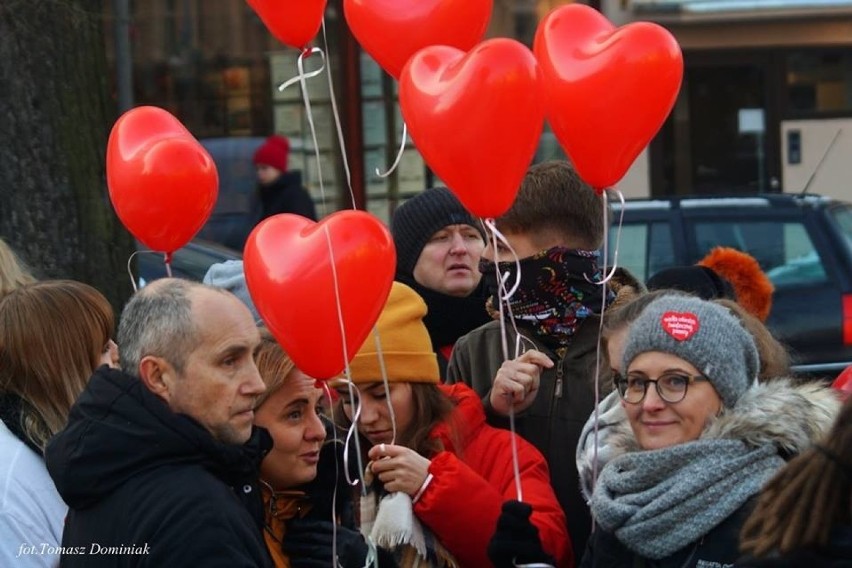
(790, 414)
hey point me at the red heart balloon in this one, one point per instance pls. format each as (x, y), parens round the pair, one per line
(295, 280)
(162, 182)
(293, 22)
(607, 90)
(476, 118)
(416, 24)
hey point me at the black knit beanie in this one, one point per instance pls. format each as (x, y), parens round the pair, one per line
(415, 221)
(697, 280)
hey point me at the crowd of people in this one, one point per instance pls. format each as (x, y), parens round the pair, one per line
(581, 420)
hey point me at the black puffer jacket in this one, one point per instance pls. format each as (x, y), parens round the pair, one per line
(135, 474)
(286, 195)
(836, 554)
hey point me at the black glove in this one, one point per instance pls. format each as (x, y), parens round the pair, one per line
(308, 543)
(516, 539)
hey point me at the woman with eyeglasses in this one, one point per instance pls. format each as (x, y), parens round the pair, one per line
(703, 438)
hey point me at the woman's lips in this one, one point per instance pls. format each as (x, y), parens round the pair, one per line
(310, 457)
(379, 436)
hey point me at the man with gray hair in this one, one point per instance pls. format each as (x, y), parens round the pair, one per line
(158, 463)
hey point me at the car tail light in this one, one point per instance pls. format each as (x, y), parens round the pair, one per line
(847, 319)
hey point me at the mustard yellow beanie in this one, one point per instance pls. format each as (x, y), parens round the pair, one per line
(406, 347)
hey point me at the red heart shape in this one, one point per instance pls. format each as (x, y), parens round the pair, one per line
(607, 90)
(680, 325)
(295, 281)
(476, 118)
(416, 24)
(294, 22)
(162, 182)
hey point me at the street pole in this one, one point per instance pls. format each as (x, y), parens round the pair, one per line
(123, 59)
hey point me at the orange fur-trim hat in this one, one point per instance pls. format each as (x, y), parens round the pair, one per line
(751, 285)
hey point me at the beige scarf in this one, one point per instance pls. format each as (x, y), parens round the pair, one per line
(389, 521)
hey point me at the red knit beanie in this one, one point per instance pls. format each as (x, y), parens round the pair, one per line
(274, 152)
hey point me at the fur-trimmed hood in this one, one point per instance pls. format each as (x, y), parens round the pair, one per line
(788, 413)
(792, 415)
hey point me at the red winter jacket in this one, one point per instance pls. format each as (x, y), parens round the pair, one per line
(462, 503)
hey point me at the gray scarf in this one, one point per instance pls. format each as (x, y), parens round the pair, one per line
(659, 501)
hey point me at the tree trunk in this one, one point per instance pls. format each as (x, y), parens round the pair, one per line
(55, 117)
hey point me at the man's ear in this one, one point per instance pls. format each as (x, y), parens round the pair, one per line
(157, 375)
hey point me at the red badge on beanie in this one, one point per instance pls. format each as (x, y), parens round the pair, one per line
(680, 325)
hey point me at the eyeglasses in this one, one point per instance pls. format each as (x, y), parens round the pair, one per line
(671, 387)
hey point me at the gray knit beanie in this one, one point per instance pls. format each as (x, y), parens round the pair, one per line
(703, 333)
(229, 275)
(415, 221)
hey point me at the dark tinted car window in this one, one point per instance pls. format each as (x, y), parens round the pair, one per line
(783, 249)
(190, 262)
(644, 248)
(843, 217)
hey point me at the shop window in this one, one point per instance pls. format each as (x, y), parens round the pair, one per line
(819, 81)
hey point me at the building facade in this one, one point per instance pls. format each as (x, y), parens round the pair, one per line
(766, 102)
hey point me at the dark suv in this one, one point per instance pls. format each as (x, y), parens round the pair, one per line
(802, 242)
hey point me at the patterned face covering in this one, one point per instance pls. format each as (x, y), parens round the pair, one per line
(558, 291)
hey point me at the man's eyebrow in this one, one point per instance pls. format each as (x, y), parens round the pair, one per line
(234, 349)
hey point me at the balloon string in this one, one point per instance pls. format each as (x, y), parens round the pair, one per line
(384, 374)
(516, 470)
(603, 283)
(503, 297)
(130, 270)
(342, 326)
(398, 155)
(352, 435)
(609, 276)
(301, 79)
(337, 123)
(167, 260)
(334, 442)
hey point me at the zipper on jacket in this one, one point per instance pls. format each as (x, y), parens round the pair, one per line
(557, 390)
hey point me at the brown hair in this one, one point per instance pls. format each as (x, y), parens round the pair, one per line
(553, 199)
(52, 335)
(774, 359)
(806, 498)
(13, 272)
(273, 364)
(431, 408)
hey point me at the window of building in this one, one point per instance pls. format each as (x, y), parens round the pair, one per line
(819, 81)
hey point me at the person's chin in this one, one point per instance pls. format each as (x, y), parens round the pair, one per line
(460, 287)
(658, 440)
(309, 474)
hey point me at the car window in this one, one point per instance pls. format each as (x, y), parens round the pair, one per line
(783, 249)
(644, 248)
(843, 217)
(190, 262)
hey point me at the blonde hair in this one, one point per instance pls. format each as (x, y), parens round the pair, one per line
(52, 336)
(273, 364)
(13, 272)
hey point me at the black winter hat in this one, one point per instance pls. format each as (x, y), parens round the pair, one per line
(697, 280)
(415, 221)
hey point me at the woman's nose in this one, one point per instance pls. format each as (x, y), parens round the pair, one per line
(652, 400)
